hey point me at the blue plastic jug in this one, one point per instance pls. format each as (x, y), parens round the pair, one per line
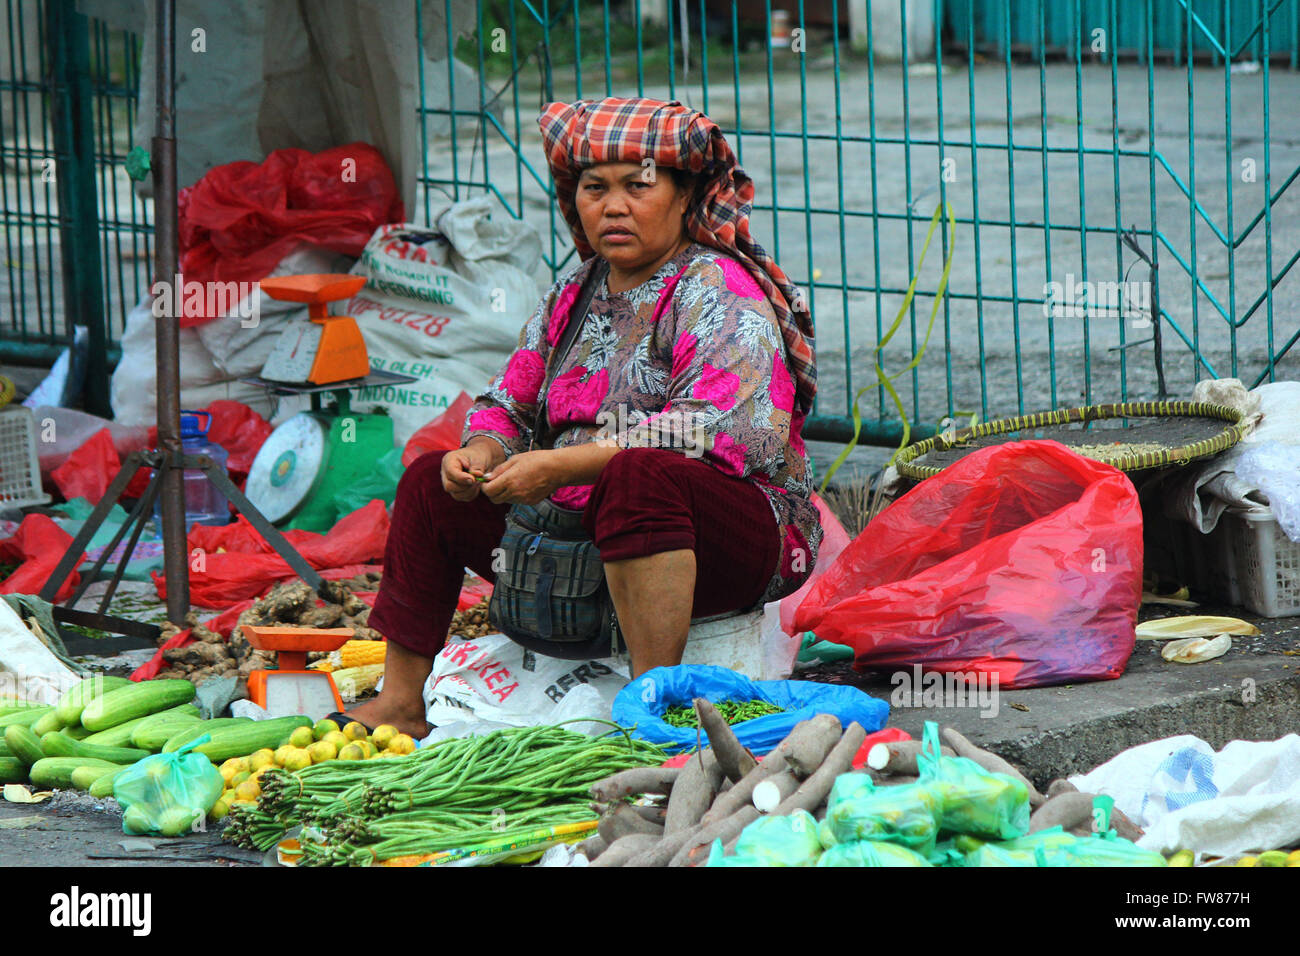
(204, 503)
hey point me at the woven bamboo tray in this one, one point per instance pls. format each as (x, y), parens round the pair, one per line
(1166, 433)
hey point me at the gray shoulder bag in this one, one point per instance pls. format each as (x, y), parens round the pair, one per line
(550, 595)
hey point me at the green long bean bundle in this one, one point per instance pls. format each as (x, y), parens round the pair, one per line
(451, 794)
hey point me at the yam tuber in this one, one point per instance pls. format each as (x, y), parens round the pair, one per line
(1058, 786)
(808, 743)
(627, 783)
(623, 820)
(621, 851)
(592, 847)
(693, 792)
(899, 757)
(731, 755)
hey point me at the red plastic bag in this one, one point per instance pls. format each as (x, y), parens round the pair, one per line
(37, 546)
(90, 469)
(1022, 561)
(441, 434)
(240, 431)
(834, 540)
(241, 219)
(248, 567)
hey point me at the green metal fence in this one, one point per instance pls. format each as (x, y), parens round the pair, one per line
(77, 240)
(1054, 131)
(1106, 162)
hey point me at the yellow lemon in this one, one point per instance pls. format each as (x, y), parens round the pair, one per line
(263, 758)
(322, 750)
(352, 752)
(355, 731)
(1246, 861)
(1293, 858)
(238, 778)
(248, 790)
(1272, 858)
(219, 810)
(337, 738)
(402, 744)
(282, 754)
(324, 727)
(383, 734)
(301, 738)
(298, 759)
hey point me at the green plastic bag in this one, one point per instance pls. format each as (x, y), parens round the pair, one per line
(848, 786)
(773, 841)
(905, 815)
(1044, 848)
(968, 798)
(871, 853)
(168, 794)
(380, 482)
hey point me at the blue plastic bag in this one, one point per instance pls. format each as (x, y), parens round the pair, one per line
(642, 702)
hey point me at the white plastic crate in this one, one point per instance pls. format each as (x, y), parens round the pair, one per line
(1265, 561)
(20, 471)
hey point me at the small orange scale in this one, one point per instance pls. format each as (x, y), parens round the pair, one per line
(340, 353)
(298, 687)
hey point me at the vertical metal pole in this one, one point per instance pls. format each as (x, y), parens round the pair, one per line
(166, 267)
(74, 176)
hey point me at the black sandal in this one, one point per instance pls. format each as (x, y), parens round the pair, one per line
(343, 720)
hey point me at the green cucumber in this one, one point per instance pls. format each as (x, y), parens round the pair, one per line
(57, 745)
(72, 703)
(155, 731)
(138, 700)
(57, 771)
(120, 736)
(76, 732)
(26, 717)
(103, 787)
(244, 739)
(12, 770)
(193, 732)
(84, 776)
(24, 744)
(48, 721)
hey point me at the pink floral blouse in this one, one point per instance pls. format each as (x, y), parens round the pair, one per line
(692, 359)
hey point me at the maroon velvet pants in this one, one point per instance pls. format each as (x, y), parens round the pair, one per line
(647, 500)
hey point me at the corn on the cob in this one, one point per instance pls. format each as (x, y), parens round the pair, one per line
(361, 653)
(352, 682)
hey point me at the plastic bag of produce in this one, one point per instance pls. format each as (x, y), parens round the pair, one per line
(773, 841)
(871, 853)
(847, 786)
(168, 794)
(904, 815)
(641, 704)
(1110, 850)
(1044, 848)
(969, 799)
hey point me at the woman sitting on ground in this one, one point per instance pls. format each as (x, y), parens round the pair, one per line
(696, 343)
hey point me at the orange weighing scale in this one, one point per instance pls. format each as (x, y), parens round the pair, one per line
(292, 688)
(325, 349)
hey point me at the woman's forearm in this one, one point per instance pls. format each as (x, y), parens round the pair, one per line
(582, 464)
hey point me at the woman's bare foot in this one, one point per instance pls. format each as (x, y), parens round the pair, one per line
(407, 719)
(401, 702)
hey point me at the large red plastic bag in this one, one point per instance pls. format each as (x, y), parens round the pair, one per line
(871, 853)
(773, 841)
(968, 798)
(641, 704)
(242, 218)
(37, 546)
(90, 469)
(1023, 561)
(168, 794)
(441, 434)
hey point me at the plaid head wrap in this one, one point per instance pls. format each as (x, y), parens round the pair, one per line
(613, 130)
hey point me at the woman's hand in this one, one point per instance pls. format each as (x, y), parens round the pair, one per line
(525, 479)
(462, 468)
